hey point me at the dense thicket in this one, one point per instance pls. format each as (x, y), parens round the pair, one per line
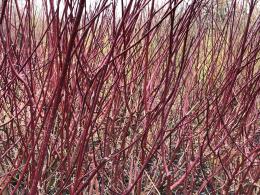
(129, 97)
